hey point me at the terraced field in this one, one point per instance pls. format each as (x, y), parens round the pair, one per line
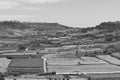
(109, 59)
(91, 60)
(102, 64)
(63, 61)
(117, 55)
(107, 68)
(75, 61)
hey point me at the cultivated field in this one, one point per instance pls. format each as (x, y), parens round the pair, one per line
(4, 64)
(74, 61)
(109, 59)
(117, 55)
(106, 68)
(102, 64)
(91, 60)
(63, 61)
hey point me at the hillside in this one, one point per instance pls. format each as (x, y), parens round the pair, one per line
(15, 28)
(41, 35)
(29, 34)
(103, 33)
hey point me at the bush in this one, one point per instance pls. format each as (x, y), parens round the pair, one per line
(111, 49)
(109, 37)
(22, 47)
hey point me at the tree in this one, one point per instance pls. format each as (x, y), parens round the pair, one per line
(109, 37)
(22, 47)
(110, 49)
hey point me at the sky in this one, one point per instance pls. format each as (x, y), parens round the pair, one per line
(73, 13)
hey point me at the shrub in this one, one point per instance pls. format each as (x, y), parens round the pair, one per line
(109, 37)
(22, 47)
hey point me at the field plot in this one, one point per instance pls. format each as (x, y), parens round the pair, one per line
(7, 51)
(19, 53)
(67, 54)
(4, 64)
(27, 63)
(26, 78)
(84, 65)
(117, 55)
(109, 59)
(30, 65)
(63, 61)
(106, 68)
(91, 60)
(50, 56)
(23, 55)
(12, 41)
(74, 61)
(110, 75)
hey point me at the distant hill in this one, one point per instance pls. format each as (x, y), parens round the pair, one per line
(42, 35)
(109, 26)
(15, 28)
(26, 25)
(30, 34)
